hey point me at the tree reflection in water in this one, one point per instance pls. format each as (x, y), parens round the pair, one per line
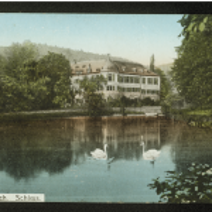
(191, 144)
(27, 149)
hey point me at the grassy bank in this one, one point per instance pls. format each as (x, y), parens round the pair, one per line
(197, 112)
(38, 116)
(53, 114)
(194, 117)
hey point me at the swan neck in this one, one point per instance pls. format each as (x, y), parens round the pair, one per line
(105, 148)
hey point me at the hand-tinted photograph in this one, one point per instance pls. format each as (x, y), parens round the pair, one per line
(107, 108)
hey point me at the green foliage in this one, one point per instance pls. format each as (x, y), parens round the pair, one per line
(27, 83)
(13, 117)
(56, 68)
(16, 56)
(127, 102)
(192, 70)
(152, 63)
(95, 102)
(170, 101)
(95, 83)
(196, 23)
(165, 86)
(194, 186)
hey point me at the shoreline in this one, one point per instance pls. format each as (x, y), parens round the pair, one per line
(27, 118)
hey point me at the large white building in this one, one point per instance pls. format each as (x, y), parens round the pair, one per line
(124, 78)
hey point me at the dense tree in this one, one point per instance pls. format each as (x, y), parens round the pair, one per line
(16, 56)
(92, 94)
(16, 91)
(195, 23)
(55, 68)
(27, 83)
(192, 70)
(152, 63)
(165, 85)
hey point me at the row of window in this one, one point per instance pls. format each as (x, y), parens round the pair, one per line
(143, 91)
(112, 88)
(150, 81)
(111, 77)
(128, 79)
(124, 68)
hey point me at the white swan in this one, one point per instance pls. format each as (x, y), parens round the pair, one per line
(100, 154)
(151, 154)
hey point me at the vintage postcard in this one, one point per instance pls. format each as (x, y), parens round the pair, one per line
(111, 108)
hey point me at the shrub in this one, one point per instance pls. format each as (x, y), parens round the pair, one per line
(194, 186)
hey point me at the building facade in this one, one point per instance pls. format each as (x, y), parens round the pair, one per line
(123, 78)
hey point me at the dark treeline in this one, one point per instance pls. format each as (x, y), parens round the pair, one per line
(31, 82)
(37, 76)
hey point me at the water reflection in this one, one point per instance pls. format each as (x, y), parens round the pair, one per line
(53, 146)
(26, 150)
(190, 144)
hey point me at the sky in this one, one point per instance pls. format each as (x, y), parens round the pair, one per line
(133, 37)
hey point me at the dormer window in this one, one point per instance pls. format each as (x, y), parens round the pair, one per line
(123, 68)
(134, 70)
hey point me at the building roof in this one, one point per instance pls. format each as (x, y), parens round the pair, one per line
(110, 65)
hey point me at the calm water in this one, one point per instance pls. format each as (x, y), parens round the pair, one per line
(53, 157)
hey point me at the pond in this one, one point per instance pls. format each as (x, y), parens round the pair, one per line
(53, 157)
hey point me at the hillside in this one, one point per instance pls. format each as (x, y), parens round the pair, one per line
(70, 54)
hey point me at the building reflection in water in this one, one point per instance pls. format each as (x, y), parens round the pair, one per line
(53, 146)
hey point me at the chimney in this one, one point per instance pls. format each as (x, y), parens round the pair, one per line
(75, 62)
(108, 57)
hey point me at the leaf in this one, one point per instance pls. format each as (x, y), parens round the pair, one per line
(205, 19)
(190, 27)
(201, 26)
(201, 196)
